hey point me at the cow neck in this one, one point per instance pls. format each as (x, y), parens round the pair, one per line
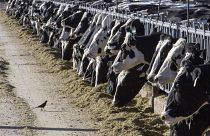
(70, 17)
(147, 44)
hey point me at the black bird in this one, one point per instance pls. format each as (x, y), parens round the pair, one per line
(42, 105)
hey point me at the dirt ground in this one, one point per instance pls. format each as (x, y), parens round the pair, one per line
(33, 73)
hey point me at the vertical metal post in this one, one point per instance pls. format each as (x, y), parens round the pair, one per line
(159, 10)
(117, 6)
(188, 7)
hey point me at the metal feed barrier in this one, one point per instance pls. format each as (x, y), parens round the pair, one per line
(193, 33)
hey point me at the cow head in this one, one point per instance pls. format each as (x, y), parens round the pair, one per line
(72, 20)
(165, 46)
(128, 56)
(83, 25)
(155, 53)
(114, 30)
(129, 83)
(135, 50)
(168, 70)
(69, 24)
(100, 39)
(78, 48)
(114, 42)
(188, 94)
(133, 26)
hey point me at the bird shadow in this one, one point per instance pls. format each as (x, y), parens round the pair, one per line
(49, 128)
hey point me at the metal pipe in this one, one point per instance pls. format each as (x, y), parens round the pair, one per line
(159, 10)
(188, 7)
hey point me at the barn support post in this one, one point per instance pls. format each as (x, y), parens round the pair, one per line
(187, 33)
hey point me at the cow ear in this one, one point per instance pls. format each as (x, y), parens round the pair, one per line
(196, 75)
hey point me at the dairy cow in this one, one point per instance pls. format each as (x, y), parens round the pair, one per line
(46, 21)
(114, 44)
(135, 50)
(69, 24)
(82, 26)
(78, 48)
(95, 50)
(100, 38)
(189, 93)
(85, 61)
(162, 49)
(111, 76)
(168, 70)
(190, 90)
(125, 92)
(170, 66)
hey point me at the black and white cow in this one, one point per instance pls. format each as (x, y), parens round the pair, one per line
(95, 50)
(54, 27)
(35, 16)
(170, 66)
(168, 70)
(162, 49)
(111, 76)
(115, 30)
(47, 26)
(43, 15)
(114, 43)
(11, 7)
(100, 38)
(85, 61)
(125, 92)
(190, 91)
(69, 24)
(135, 50)
(21, 9)
(48, 12)
(157, 49)
(78, 48)
(82, 26)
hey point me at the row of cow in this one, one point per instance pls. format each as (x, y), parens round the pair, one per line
(118, 52)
